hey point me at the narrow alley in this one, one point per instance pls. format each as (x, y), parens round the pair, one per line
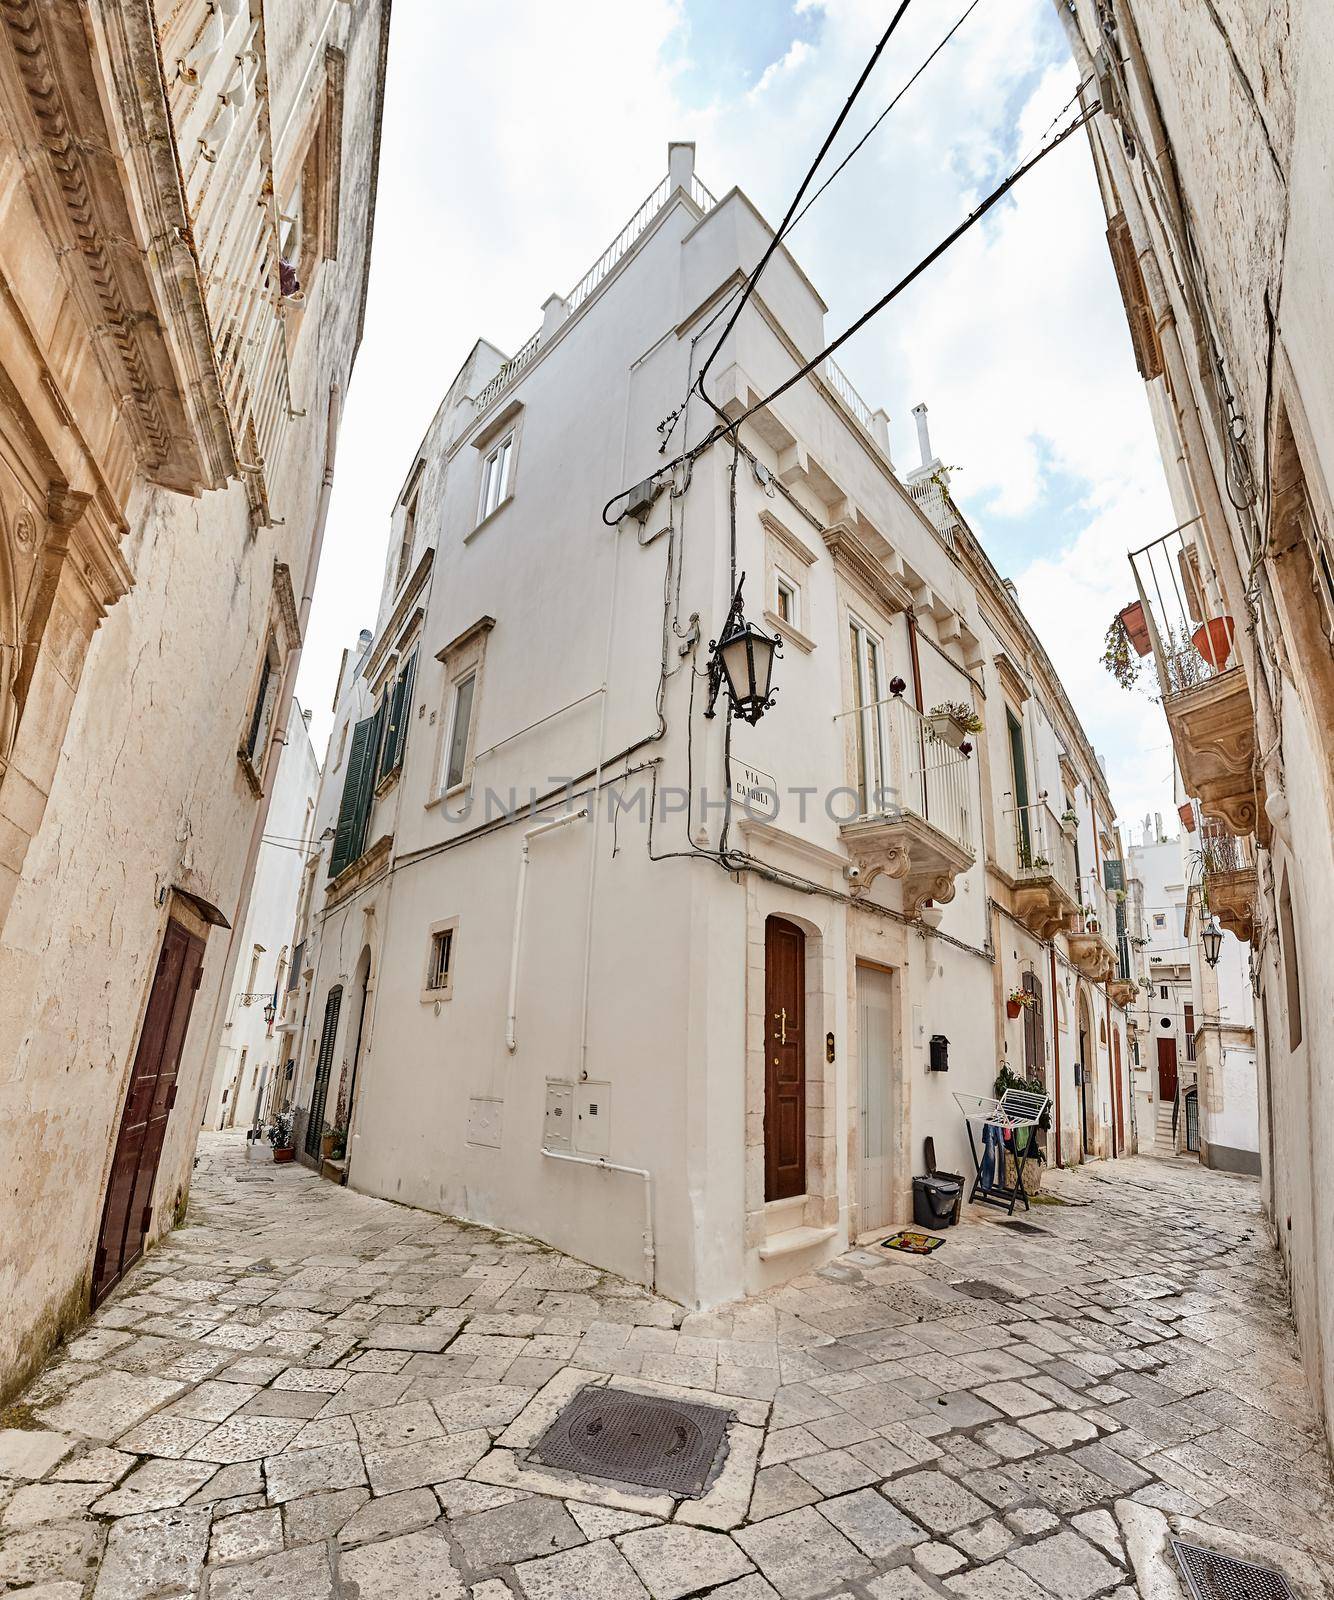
(304, 1391)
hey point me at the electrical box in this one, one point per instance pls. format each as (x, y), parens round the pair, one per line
(592, 1119)
(558, 1128)
(940, 1053)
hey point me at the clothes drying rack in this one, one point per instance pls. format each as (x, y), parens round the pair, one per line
(1015, 1110)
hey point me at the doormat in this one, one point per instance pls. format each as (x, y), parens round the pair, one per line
(916, 1244)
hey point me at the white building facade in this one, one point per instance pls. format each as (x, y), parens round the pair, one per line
(680, 994)
(251, 1062)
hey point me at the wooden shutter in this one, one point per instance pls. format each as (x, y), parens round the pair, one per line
(394, 701)
(1134, 294)
(1035, 1039)
(358, 788)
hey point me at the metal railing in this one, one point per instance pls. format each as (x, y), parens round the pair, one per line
(1190, 632)
(841, 384)
(601, 269)
(928, 777)
(1043, 846)
(1095, 909)
(1221, 851)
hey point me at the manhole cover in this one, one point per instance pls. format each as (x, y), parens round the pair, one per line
(629, 1438)
(1211, 1576)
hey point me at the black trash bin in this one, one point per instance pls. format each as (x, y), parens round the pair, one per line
(936, 1200)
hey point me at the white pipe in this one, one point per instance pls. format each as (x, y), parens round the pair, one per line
(597, 808)
(650, 1253)
(512, 1013)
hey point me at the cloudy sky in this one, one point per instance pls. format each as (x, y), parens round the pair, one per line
(518, 137)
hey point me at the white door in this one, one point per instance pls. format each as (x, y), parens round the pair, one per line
(875, 1036)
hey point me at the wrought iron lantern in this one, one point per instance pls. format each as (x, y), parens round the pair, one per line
(270, 1012)
(742, 657)
(1212, 940)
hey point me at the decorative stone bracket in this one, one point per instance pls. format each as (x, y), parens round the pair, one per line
(1232, 900)
(1092, 955)
(908, 848)
(1043, 905)
(1213, 730)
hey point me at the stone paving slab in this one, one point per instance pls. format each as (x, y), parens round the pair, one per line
(305, 1392)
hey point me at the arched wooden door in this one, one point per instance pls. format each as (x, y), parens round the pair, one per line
(784, 1060)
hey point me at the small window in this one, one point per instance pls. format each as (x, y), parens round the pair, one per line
(399, 713)
(438, 981)
(408, 538)
(1159, 919)
(266, 696)
(1288, 945)
(342, 747)
(1162, 991)
(495, 477)
(442, 948)
(787, 600)
(456, 748)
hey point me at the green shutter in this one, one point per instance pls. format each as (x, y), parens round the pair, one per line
(389, 755)
(358, 787)
(405, 715)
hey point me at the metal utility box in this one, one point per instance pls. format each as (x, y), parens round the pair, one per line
(558, 1128)
(940, 1053)
(592, 1119)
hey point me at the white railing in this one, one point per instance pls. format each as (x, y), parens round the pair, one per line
(932, 496)
(1043, 846)
(1095, 909)
(601, 269)
(928, 777)
(1186, 623)
(841, 384)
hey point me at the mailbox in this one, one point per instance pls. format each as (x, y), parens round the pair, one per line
(940, 1053)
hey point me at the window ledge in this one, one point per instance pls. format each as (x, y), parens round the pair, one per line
(787, 632)
(448, 794)
(251, 772)
(489, 518)
(388, 781)
(437, 996)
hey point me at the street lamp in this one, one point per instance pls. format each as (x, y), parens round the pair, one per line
(270, 1012)
(743, 656)
(1212, 940)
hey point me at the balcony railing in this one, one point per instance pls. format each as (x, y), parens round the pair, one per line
(841, 384)
(1095, 909)
(928, 777)
(1221, 852)
(1042, 845)
(601, 269)
(1188, 627)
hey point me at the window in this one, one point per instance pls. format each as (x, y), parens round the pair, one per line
(358, 792)
(408, 537)
(438, 983)
(399, 701)
(1019, 774)
(1188, 1021)
(460, 721)
(1162, 991)
(342, 747)
(495, 477)
(262, 708)
(1159, 919)
(868, 679)
(787, 600)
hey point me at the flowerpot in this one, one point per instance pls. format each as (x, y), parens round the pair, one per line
(945, 730)
(1032, 1173)
(1135, 623)
(283, 1155)
(1213, 641)
(1012, 1009)
(326, 1145)
(1187, 814)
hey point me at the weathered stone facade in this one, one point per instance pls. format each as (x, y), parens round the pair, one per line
(169, 398)
(1213, 150)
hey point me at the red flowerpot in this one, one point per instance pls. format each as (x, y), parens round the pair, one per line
(1213, 640)
(283, 1155)
(1137, 627)
(1012, 1009)
(1187, 815)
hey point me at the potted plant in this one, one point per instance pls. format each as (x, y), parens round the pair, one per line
(1117, 655)
(279, 1134)
(951, 722)
(1006, 1078)
(1069, 819)
(1016, 1001)
(1213, 641)
(1136, 626)
(339, 1149)
(327, 1144)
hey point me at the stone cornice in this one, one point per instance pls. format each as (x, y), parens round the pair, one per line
(859, 562)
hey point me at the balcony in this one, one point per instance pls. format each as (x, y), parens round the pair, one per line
(1044, 869)
(918, 826)
(1228, 869)
(1205, 695)
(1091, 938)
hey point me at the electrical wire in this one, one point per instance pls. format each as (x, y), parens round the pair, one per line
(899, 96)
(928, 260)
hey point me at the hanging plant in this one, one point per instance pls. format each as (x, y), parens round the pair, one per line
(1018, 1000)
(951, 722)
(1119, 656)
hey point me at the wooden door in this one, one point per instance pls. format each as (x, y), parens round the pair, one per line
(128, 1209)
(319, 1093)
(875, 1044)
(784, 1060)
(1167, 1069)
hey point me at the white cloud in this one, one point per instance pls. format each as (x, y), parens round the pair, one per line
(785, 66)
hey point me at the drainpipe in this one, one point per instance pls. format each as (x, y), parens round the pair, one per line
(1056, 1050)
(512, 1013)
(1111, 1074)
(650, 1254)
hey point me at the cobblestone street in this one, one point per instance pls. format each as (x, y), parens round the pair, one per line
(304, 1392)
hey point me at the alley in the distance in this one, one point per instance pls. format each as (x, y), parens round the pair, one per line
(306, 1391)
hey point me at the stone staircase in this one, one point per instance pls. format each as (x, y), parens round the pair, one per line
(1162, 1128)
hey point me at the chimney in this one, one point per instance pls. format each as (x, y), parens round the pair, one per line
(680, 165)
(923, 433)
(1158, 828)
